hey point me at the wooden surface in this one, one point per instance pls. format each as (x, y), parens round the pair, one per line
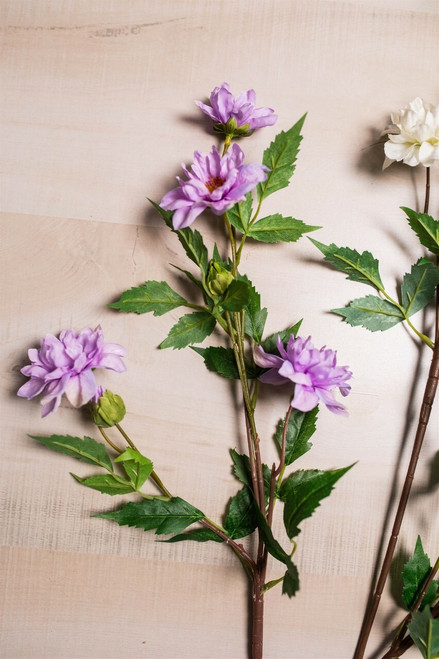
(97, 114)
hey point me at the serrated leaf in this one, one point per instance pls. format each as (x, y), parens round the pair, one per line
(237, 296)
(270, 343)
(239, 215)
(86, 449)
(199, 535)
(240, 519)
(190, 276)
(302, 493)
(242, 471)
(191, 241)
(424, 630)
(191, 328)
(414, 575)
(290, 584)
(301, 427)
(276, 228)
(220, 360)
(255, 317)
(137, 467)
(419, 286)
(363, 268)
(280, 158)
(371, 312)
(166, 215)
(425, 227)
(106, 484)
(171, 516)
(155, 296)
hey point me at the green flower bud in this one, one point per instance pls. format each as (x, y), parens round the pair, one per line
(218, 278)
(108, 410)
(231, 129)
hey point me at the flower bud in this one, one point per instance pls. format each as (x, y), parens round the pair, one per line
(108, 410)
(218, 278)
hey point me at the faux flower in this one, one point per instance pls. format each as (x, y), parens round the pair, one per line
(64, 366)
(107, 408)
(414, 137)
(224, 107)
(314, 372)
(214, 182)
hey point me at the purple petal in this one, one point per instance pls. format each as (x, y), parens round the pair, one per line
(81, 388)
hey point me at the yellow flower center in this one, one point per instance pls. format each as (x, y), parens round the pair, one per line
(214, 182)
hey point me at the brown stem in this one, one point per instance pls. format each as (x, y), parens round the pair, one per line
(427, 189)
(424, 415)
(257, 620)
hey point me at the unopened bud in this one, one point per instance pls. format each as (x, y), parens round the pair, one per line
(108, 410)
(218, 278)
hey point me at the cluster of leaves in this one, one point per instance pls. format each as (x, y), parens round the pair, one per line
(379, 313)
(301, 493)
(419, 598)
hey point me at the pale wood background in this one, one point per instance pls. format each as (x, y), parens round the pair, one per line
(98, 113)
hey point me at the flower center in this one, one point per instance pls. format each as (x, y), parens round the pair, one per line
(214, 182)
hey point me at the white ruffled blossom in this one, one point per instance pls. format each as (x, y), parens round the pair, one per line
(414, 136)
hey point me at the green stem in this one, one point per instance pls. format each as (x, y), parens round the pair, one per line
(108, 440)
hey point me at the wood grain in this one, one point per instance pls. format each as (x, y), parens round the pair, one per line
(97, 114)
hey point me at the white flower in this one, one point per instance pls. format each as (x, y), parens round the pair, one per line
(414, 137)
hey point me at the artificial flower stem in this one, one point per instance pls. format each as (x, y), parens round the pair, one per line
(424, 416)
(108, 440)
(427, 189)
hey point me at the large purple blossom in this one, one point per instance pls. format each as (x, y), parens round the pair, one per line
(213, 182)
(224, 106)
(314, 372)
(64, 366)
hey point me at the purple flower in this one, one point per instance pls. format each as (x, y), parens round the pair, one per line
(214, 182)
(314, 372)
(64, 366)
(224, 106)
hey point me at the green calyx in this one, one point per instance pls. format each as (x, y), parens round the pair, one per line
(232, 129)
(109, 410)
(218, 278)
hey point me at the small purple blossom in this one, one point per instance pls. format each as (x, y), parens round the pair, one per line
(314, 372)
(224, 106)
(64, 366)
(214, 182)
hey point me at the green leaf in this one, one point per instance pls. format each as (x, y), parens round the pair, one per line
(291, 577)
(220, 360)
(280, 158)
(137, 467)
(290, 584)
(242, 471)
(237, 296)
(371, 312)
(419, 286)
(107, 484)
(270, 343)
(199, 535)
(424, 630)
(155, 296)
(191, 328)
(255, 317)
(171, 516)
(87, 449)
(239, 215)
(241, 520)
(191, 241)
(414, 575)
(425, 227)
(301, 427)
(359, 267)
(276, 228)
(302, 493)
